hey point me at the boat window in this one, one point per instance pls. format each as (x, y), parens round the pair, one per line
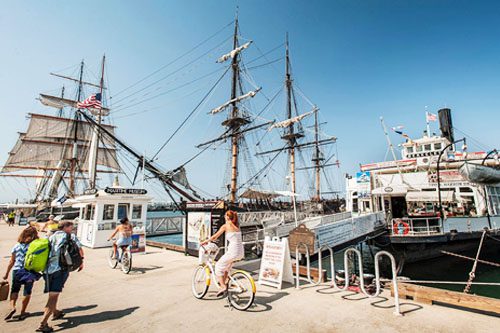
(108, 212)
(409, 150)
(419, 148)
(428, 147)
(136, 212)
(122, 210)
(494, 199)
(437, 146)
(89, 212)
(466, 189)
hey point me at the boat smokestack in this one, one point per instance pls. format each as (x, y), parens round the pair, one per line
(445, 124)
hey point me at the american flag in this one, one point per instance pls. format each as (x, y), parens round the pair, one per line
(93, 101)
(431, 117)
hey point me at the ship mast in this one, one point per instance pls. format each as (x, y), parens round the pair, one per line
(74, 161)
(234, 115)
(94, 146)
(290, 136)
(317, 158)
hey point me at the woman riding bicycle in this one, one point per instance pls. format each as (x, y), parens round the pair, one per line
(235, 250)
(125, 235)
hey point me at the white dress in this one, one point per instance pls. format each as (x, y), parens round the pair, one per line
(234, 252)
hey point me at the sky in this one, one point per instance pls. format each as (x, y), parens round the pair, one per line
(355, 60)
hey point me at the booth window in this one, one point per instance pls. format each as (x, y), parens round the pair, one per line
(108, 212)
(89, 212)
(122, 210)
(136, 212)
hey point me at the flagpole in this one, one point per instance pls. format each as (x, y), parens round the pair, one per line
(427, 121)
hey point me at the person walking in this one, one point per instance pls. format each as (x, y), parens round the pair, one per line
(18, 254)
(11, 219)
(55, 275)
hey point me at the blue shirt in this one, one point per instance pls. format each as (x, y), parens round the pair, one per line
(20, 251)
(56, 242)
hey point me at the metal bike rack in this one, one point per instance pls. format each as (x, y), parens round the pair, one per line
(346, 271)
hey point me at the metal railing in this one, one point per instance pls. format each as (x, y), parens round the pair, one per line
(334, 284)
(164, 225)
(405, 226)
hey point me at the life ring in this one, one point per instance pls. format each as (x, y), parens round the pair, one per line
(395, 227)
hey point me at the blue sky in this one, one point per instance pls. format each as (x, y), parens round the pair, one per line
(356, 60)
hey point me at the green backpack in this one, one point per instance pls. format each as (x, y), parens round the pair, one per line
(37, 255)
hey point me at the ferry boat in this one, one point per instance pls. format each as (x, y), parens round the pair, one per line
(431, 203)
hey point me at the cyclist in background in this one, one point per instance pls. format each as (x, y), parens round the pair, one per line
(235, 250)
(125, 231)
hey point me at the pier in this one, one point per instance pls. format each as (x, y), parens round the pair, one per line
(156, 296)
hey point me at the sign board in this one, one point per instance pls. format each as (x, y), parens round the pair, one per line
(301, 234)
(363, 177)
(203, 220)
(138, 243)
(276, 264)
(199, 228)
(119, 190)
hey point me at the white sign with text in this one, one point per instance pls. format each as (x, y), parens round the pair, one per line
(276, 264)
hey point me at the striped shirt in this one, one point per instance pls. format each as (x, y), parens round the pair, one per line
(20, 251)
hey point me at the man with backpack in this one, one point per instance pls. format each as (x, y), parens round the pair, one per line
(66, 255)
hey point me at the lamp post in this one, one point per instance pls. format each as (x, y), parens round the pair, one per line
(494, 151)
(440, 207)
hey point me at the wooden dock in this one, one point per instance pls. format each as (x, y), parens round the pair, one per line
(429, 295)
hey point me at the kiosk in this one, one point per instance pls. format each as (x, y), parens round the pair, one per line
(102, 210)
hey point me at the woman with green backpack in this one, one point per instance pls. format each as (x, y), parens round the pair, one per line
(17, 264)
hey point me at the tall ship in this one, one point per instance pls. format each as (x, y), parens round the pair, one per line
(438, 198)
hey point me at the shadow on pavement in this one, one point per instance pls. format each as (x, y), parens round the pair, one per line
(143, 270)
(68, 310)
(75, 321)
(262, 303)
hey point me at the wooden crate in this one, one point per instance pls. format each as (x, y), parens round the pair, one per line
(314, 272)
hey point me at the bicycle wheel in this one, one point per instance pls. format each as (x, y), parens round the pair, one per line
(241, 290)
(200, 282)
(112, 261)
(126, 262)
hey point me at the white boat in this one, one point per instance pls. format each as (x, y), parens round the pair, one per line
(480, 174)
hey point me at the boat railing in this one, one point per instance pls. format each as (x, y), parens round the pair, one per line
(415, 226)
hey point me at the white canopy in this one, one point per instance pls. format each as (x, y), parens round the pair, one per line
(396, 189)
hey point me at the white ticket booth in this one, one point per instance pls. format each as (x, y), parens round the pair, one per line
(102, 210)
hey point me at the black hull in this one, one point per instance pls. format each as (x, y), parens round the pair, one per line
(414, 249)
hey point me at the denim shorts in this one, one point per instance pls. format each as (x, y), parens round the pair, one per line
(54, 283)
(16, 285)
(124, 241)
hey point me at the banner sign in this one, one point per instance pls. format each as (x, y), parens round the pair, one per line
(198, 228)
(363, 177)
(138, 243)
(275, 265)
(117, 190)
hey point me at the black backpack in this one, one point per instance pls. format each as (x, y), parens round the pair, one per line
(69, 257)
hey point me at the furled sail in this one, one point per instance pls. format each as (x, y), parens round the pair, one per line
(249, 94)
(59, 102)
(234, 52)
(480, 174)
(288, 122)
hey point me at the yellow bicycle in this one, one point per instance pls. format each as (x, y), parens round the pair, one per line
(241, 286)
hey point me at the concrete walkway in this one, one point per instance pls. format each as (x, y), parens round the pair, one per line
(156, 297)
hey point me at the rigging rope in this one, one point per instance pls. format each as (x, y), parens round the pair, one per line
(175, 60)
(191, 113)
(472, 273)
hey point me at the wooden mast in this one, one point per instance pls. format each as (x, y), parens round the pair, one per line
(233, 123)
(75, 141)
(291, 136)
(317, 157)
(96, 134)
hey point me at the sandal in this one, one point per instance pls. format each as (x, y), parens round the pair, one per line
(9, 314)
(221, 292)
(58, 315)
(23, 316)
(45, 328)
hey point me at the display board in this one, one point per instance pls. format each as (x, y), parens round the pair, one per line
(276, 264)
(138, 243)
(303, 235)
(202, 221)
